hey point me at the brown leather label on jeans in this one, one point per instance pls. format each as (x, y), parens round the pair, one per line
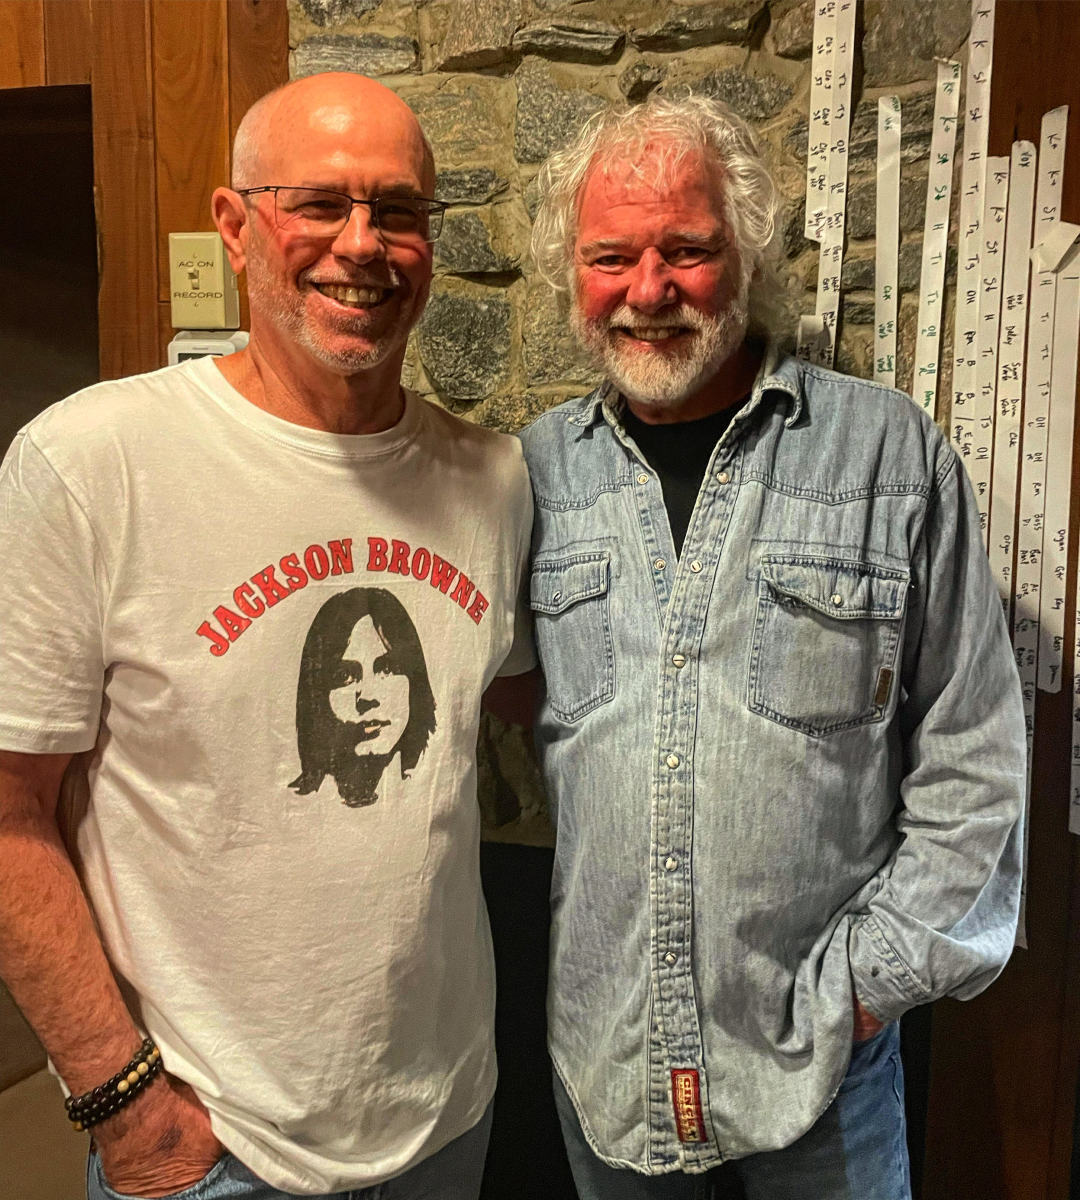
(686, 1100)
(884, 682)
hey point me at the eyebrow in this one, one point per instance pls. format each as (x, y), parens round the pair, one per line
(680, 237)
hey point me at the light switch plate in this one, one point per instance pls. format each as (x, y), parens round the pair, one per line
(202, 285)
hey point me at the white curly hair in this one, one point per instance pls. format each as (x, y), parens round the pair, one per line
(677, 127)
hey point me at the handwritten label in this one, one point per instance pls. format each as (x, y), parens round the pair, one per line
(924, 387)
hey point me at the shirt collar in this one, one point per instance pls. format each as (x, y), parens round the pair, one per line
(779, 372)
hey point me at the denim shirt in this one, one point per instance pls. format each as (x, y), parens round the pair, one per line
(788, 763)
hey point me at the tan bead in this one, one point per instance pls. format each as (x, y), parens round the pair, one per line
(133, 1077)
(143, 1068)
(155, 1054)
(123, 1086)
(79, 1127)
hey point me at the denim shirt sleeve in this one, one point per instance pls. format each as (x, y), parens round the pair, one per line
(944, 918)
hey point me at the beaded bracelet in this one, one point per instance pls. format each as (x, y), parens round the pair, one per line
(94, 1106)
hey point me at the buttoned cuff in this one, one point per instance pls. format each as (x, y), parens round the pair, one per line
(885, 986)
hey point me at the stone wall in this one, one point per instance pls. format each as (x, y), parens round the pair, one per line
(499, 84)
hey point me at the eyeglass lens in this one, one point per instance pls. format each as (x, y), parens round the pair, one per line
(323, 213)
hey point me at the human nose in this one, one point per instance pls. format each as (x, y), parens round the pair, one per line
(360, 238)
(651, 285)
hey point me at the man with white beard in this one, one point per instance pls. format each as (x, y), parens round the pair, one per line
(782, 734)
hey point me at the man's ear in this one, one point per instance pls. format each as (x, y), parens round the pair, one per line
(231, 218)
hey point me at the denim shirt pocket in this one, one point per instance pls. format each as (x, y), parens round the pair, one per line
(568, 594)
(824, 651)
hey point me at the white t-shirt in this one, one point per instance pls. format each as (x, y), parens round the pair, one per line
(272, 641)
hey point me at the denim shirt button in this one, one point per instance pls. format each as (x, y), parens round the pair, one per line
(695, 566)
(643, 478)
(837, 599)
(672, 761)
(723, 477)
(660, 564)
(671, 958)
(671, 863)
(679, 660)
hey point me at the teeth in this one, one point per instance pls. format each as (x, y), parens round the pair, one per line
(653, 334)
(351, 295)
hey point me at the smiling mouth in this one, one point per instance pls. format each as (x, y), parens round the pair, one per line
(652, 333)
(354, 297)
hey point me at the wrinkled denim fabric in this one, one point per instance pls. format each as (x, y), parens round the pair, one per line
(856, 1150)
(789, 762)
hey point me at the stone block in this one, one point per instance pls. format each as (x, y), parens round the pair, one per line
(793, 31)
(335, 12)
(468, 185)
(480, 34)
(857, 274)
(858, 312)
(548, 115)
(512, 412)
(551, 352)
(464, 340)
(573, 40)
(862, 206)
(752, 97)
(469, 245)
(684, 26)
(639, 79)
(461, 117)
(903, 37)
(368, 53)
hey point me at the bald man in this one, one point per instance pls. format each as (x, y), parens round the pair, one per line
(250, 607)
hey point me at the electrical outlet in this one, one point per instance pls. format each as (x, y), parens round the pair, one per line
(202, 285)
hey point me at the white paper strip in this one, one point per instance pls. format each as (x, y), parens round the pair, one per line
(819, 137)
(972, 190)
(831, 258)
(1010, 384)
(979, 453)
(1059, 481)
(935, 235)
(887, 243)
(1036, 420)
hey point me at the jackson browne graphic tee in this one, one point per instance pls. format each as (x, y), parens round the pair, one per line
(271, 642)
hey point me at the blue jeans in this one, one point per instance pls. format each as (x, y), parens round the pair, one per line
(453, 1173)
(856, 1150)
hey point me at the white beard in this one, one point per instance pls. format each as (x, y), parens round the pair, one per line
(664, 377)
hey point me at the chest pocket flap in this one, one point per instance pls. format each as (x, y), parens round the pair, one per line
(556, 584)
(841, 590)
(568, 593)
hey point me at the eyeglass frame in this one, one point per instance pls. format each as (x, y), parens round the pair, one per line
(438, 208)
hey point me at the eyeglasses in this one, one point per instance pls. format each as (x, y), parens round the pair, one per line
(321, 212)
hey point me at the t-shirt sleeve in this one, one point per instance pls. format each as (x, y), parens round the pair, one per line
(522, 656)
(51, 657)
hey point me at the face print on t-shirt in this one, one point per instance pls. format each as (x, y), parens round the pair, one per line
(363, 698)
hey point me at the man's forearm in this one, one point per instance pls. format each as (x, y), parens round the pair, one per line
(50, 956)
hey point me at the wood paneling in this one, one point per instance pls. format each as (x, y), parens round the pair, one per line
(68, 41)
(22, 43)
(258, 63)
(1004, 1066)
(124, 172)
(191, 116)
(258, 53)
